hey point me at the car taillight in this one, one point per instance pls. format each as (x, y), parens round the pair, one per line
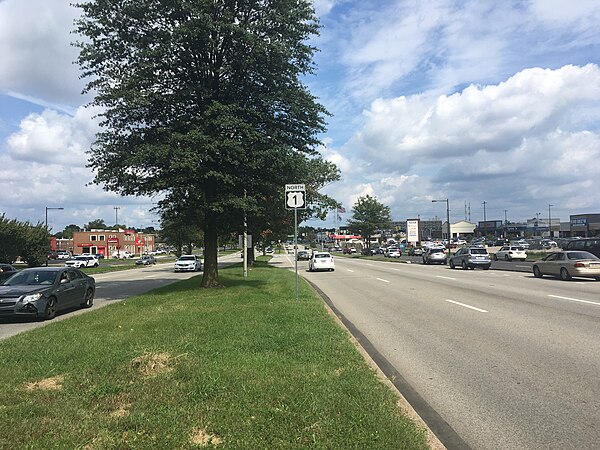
(579, 264)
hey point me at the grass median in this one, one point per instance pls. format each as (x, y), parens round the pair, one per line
(241, 367)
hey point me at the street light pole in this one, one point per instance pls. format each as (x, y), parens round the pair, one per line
(447, 218)
(550, 220)
(47, 208)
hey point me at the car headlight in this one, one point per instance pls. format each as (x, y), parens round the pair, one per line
(31, 297)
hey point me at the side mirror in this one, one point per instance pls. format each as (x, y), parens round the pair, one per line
(64, 280)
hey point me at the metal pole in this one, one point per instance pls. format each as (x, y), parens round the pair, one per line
(245, 241)
(296, 247)
(448, 220)
(550, 221)
(46, 233)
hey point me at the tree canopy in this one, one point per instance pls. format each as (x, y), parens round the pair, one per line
(202, 102)
(369, 215)
(30, 242)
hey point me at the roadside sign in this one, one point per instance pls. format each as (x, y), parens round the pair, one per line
(295, 196)
(412, 230)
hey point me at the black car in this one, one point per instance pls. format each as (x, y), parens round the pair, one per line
(6, 271)
(591, 245)
(42, 291)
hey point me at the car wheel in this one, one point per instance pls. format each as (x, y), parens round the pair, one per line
(506, 258)
(50, 311)
(424, 261)
(486, 267)
(452, 264)
(537, 273)
(96, 265)
(88, 301)
(464, 265)
(495, 257)
(597, 278)
(564, 274)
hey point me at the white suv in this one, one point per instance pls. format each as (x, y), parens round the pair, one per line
(82, 261)
(188, 263)
(510, 252)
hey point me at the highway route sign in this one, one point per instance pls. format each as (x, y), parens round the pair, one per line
(295, 196)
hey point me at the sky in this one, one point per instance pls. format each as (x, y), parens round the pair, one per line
(472, 101)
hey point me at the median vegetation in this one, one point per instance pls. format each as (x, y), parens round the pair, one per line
(241, 367)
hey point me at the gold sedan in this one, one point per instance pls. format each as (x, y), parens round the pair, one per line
(567, 264)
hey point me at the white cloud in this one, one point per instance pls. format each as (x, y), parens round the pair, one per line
(419, 129)
(37, 58)
(323, 7)
(506, 143)
(54, 138)
(566, 13)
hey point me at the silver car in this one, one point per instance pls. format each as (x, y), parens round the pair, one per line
(567, 264)
(470, 258)
(435, 255)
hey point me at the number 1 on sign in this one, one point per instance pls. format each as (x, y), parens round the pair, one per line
(295, 199)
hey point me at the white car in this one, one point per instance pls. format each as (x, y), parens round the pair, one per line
(62, 254)
(188, 263)
(510, 252)
(82, 261)
(393, 252)
(321, 261)
(122, 254)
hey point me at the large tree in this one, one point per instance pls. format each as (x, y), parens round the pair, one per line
(200, 97)
(22, 239)
(369, 215)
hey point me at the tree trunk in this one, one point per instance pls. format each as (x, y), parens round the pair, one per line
(211, 268)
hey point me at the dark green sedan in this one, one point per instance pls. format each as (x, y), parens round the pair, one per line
(43, 291)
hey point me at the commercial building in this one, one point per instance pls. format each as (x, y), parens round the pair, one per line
(110, 242)
(585, 225)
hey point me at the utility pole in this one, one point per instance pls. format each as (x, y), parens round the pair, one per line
(116, 208)
(550, 221)
(505, 223)
(484, 218)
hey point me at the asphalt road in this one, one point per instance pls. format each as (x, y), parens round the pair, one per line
(113, 287)
(496, 359)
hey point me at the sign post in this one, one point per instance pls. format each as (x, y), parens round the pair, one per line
(295, 198)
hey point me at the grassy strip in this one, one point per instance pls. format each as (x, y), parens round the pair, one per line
(242, 367)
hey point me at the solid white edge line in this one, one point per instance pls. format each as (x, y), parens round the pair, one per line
(467, 306)
(350, 270)
(574, 300)
(381, 279)
(445, 278)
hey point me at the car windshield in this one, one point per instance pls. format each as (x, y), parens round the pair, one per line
(81, 257)
(581, 255)
(32, 277)
(322, 255)
(187, 258)
(478, 251)
(438, 250)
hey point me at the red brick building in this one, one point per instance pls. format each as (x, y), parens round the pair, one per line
(109, 242)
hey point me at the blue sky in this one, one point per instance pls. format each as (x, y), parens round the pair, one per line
(475, 101)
